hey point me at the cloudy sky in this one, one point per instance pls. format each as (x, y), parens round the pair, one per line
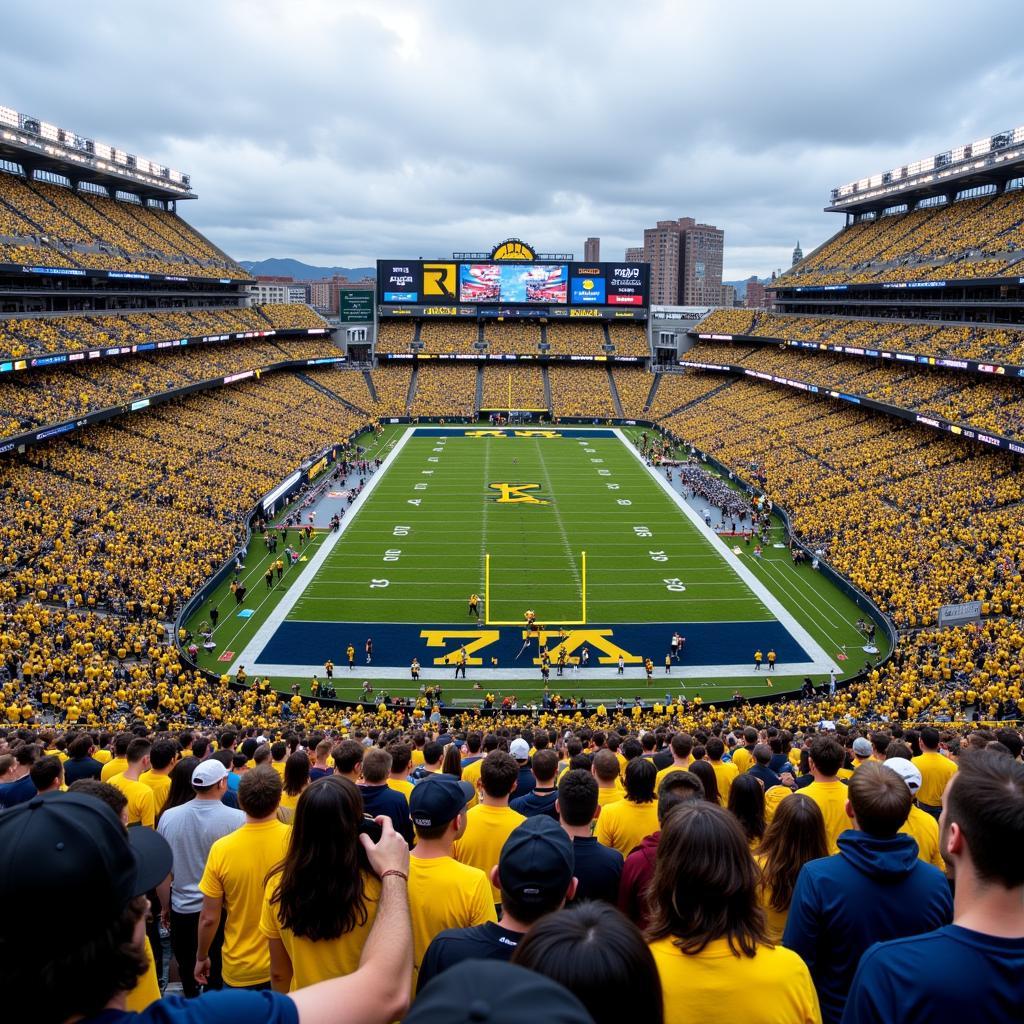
(337, 132)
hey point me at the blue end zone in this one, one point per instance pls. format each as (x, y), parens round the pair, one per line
(396, 644)
(526, 431)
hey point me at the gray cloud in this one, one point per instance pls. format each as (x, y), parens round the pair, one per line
(337, 132)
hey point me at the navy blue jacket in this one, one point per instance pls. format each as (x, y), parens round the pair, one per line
(383, 800)
(871, 891)
(951, 974)
(534, 803)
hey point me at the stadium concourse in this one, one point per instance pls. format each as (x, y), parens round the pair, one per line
(667, 859)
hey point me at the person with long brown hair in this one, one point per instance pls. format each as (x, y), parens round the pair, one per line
(707, 931)
(320, 901)
(795, 836)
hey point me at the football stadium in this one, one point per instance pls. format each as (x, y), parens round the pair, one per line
(501, 612)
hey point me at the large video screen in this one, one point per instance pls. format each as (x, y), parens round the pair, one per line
(514, 283)
(558, 286)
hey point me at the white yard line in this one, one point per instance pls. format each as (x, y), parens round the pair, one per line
(262, 636)
(821, 661)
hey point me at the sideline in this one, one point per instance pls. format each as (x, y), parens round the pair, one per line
(269, 627)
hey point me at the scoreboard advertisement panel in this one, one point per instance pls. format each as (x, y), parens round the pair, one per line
(533, 289)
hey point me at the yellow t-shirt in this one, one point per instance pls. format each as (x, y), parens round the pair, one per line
(288, 801)
(147, 991)
(664, 772)
(141, 800)
(487, 828)
(772, 798)
(742, 759)
(712, 978)
(445, 894)
(328, 958)
(936, 771)
(775, 921)
(417, 757)
(724, 773)
(278, 767)
(831, 797)
(103, 756)
(236, 870)
(113, 767)
(402, 786)
(161, 786)
(610, 794)
(925, 831)
(624, 824)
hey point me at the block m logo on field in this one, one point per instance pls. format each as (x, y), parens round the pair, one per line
(513, 494)
(574, 639)
(472, 639)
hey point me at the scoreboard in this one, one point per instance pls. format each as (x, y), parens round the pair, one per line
(512, 289)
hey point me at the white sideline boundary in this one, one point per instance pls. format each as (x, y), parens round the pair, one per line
(820, 662)
(262, 636)
(707, 674)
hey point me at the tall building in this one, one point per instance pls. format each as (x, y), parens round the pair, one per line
(798, 253)
(728, 295)
(757, 297)
(268, 289)
(635, 254)
(323, 294)
(592, 250)
(686, 262)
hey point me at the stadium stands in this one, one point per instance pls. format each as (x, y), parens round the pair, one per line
(444, 389)
(394, 336)
(512, 336)
(448, 335)
(629, 339)
(53, 225)
(29, 336)
(990, 405)
(633, 386)
(580, 391)
(580, 339)
(976, 341)
(971, 238)
(527, 387)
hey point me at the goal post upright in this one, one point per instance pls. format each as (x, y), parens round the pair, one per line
(488, 621)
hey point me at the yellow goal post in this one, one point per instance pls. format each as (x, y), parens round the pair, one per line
(581, 621)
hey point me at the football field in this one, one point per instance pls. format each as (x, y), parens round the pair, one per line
(569, 523)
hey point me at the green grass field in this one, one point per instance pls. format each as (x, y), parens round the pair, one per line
(411, 555)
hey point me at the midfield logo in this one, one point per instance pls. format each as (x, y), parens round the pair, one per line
(515, 494)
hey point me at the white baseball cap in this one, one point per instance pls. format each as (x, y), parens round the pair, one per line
(908, 772)
(208, 772)
(520, 749)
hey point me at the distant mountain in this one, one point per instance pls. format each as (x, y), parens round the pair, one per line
(740, 286)
(303, 271)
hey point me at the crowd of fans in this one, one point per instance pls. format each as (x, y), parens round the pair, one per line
(988, 404)
(57, 226)
(395, 335)
(834, 874)
(580, 391)
(971, 238)
(512, 337)
(527, 387)
(448, 336)
(633, 386)
(36, 397)
(28, 336)
(867, 491)
(575, 338)
(981, 342)
(629, 339)
(391, 385)
(444, 389)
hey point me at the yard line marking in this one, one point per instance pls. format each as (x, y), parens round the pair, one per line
(822, 662)
(262, 635)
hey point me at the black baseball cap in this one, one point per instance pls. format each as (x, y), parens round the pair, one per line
(69, 849)
(494, 992)
(438, 799)
(537, 861)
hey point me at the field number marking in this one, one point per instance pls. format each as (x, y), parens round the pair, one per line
(658, 556)
(675, 584)
(401, 531)
(392, 554)
(642, 531)
(379, 584)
